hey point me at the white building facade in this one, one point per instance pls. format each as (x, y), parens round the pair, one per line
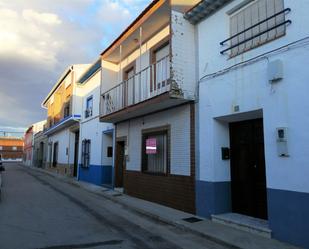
(148, 91)
(253, 112)
(95, 138)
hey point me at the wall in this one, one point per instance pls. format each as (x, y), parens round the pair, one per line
(177, 188)
(65, 139)
(99, 171)
(179, 120)
(183, 54)
(281, 104)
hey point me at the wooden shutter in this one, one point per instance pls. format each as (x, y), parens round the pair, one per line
(252, 14)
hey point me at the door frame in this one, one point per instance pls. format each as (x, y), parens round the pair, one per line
(253, 154)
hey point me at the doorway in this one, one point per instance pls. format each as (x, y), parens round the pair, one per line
(248, 177)
(120, 164)
(76, 143)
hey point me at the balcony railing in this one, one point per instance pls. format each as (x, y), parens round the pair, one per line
(148, 83)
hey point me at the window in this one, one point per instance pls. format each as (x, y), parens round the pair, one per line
(161, 69)
(109, 151)
(55, 154)
(66, 110)
(1, 148)
(86, 153)
(155, 152)
(89, 106)
(255, 35)
(14, 148)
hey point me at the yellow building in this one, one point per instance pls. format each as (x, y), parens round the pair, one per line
(63, 105)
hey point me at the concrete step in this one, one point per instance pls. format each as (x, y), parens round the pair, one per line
(244, 223)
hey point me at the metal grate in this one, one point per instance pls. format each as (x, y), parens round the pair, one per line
(192, 219)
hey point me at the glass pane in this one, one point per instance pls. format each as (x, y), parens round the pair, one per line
(156, 161)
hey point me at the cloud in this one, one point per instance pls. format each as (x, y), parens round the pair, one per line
(40, 38)
(45, 18)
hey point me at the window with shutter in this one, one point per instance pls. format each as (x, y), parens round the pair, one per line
(245, 32)
(86, 153)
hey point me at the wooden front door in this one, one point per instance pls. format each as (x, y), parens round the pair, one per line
(248, 177)
(120, 164)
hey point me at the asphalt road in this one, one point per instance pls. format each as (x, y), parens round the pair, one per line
(41, 211)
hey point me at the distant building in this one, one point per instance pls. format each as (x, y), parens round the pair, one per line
(40, 145)
(29, 142)
(11, 148)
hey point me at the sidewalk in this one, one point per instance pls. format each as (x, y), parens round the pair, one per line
(216, 232)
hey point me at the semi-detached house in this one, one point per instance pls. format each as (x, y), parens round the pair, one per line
(148, 90)
(64, 110)
(95, 137)
(253, 114)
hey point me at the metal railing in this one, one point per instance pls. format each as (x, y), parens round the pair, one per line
(285, 11)
(148, 83)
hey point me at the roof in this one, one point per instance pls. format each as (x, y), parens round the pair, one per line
(204, 9)
(90, 71)
(153, 3)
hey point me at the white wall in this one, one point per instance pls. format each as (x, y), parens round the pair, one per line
(93, 130)
(65, 139)
(183, 54)
(79, 70)
(284, 104)
(91, 127)
(179, 120)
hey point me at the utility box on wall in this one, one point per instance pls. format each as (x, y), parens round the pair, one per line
(282, 141)
(275, 71)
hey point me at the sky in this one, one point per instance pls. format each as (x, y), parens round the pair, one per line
(39, 39)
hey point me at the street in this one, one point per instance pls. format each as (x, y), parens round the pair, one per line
(41, 211)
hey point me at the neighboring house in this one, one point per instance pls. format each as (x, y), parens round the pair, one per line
(27, 153)
(29, 142)
(96, 139)
(40, 145)
(11, 148)
(148, 91)
(253, 113)
(62, 128)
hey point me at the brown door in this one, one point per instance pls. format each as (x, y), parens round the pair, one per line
(120, 164)
(248, 178)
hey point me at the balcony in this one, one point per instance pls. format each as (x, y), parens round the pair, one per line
(62, 124)
(133, 97)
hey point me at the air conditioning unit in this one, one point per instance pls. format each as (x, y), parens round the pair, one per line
(88, 112)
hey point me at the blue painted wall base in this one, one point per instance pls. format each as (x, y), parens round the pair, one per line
(288, 215)
(288, 211)
(96, 174)
(212, 198)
